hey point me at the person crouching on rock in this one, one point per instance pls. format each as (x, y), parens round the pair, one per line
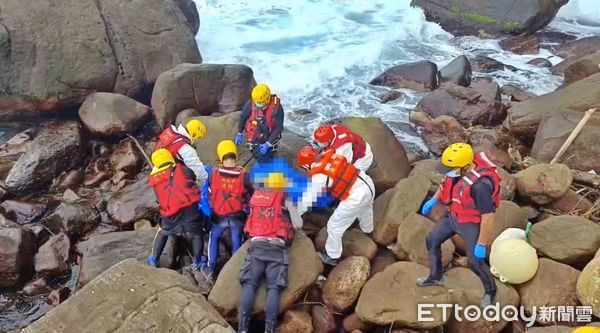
(262, 122)
(227, 192)
(178, 141)
(271, 231)
(345, 143)
(472, 191)
(333, 174)
(178, 195)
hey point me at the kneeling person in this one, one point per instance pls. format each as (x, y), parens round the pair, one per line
(271, 231)
(177, 193)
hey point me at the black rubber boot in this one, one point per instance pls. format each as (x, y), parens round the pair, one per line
(244, 325)
(270, 326)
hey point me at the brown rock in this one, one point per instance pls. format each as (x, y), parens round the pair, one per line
(344, 283)
(523, 44)
(411, 238)
(542, 183)
(76, 219)
(550, 329)
(22, 212)
(376, 306)
(11, 150)
(484, 64)
(419, 118)
(572, 203)
(352, 323)
(37, 287)
(571, 240)
(419, 76)
(52, 259)
(540, 62)
(588, 288)
(216, 88)
(131, 203)
(58, 296)
(126, 158)
(69, 180)
(390, 210)
(427, 168)
(295, 322)
(390, 96)
(574, 50)
(383, 259)
(458, 71)
(583, 68)
(354, 242)
(516, 94)
(487, 87)
(112, 114)
(96, 172)
(499, 157)
(185, 115)
(323, 320)
(553, 285)
(441, 132)
(17, 246)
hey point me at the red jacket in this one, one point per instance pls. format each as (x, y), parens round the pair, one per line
(174, 190)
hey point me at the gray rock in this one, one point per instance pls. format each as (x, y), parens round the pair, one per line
(17, 246)
(458, 71)
(419, 76)
(112, 114)
(76, 219)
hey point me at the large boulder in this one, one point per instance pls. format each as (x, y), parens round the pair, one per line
(392, 297)
(466, 289)
(76, 219)
(419, 76)
(583, 68)
(553, 285)
(17, 249)
(57, 147)
(391, 208)
(468, 105)
(390, 163)
(112, 114)
(571, 240)
(563, 111)
(344, 282)
(411, 240)
(133, 202)
(490, 17)
(441, 132)
(574, 50)
(303, 270)
(86, 46)
(523, 44)
(542, 183)
(588, 288)
(570, 102)
(133, 297)
(22, 212)
(355, 243)
(206, 88)
(52, 258)
(296, 322)
(458, 71)
(102, 251)
(572, 202)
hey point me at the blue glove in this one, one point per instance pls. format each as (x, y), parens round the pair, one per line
(238, 138)
(264, 148)
(480, 251)
(429, 205)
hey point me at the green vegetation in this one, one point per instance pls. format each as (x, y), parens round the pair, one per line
(473, 17)
(511, 26)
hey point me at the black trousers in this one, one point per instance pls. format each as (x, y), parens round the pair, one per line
(469, 232)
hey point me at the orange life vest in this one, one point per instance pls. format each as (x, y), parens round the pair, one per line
(458, 196)
(174, 190)
(342, 173)
(227, 190)
(260, 123)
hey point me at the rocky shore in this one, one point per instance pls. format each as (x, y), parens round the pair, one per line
(76, 211)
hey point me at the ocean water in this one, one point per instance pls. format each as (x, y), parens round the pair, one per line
(320, 55)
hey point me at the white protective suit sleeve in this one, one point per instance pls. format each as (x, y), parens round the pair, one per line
(190, 157)
(346, 151)
(316, 189)
(294, 216)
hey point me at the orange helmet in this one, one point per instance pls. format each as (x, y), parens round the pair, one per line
(306, 156)
(324, 134)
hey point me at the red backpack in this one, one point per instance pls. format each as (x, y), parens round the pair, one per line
(268, 216)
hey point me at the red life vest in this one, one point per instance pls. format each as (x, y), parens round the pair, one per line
(227, 190)
(174, 190)
(343, 135)
(342, 173)
(171, 140)
(458, 195)
(254, 130)
(268, 216)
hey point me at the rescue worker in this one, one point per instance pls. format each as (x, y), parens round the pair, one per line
(333, 174)
(177, 192)
(472, 191)
(229, 190)
(261, 122)
(270, 229)
(345, 143)
(178, 140)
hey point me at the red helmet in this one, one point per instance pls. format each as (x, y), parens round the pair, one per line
(306, 156)
(324, 134)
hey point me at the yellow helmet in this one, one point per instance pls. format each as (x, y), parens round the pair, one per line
(276, 180)
(458, 155)
(195, 129)
(261, 94)
(586, 329)
(162, 159)
(226, 147)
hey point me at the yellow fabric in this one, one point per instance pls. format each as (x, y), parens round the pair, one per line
(225, 147)
(458, 155)
(586, 329)
(513, 261)
(195, 129)
(261, 94)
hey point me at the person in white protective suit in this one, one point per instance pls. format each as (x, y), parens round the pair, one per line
(345, 143)
(178, 141)
(333, 174)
